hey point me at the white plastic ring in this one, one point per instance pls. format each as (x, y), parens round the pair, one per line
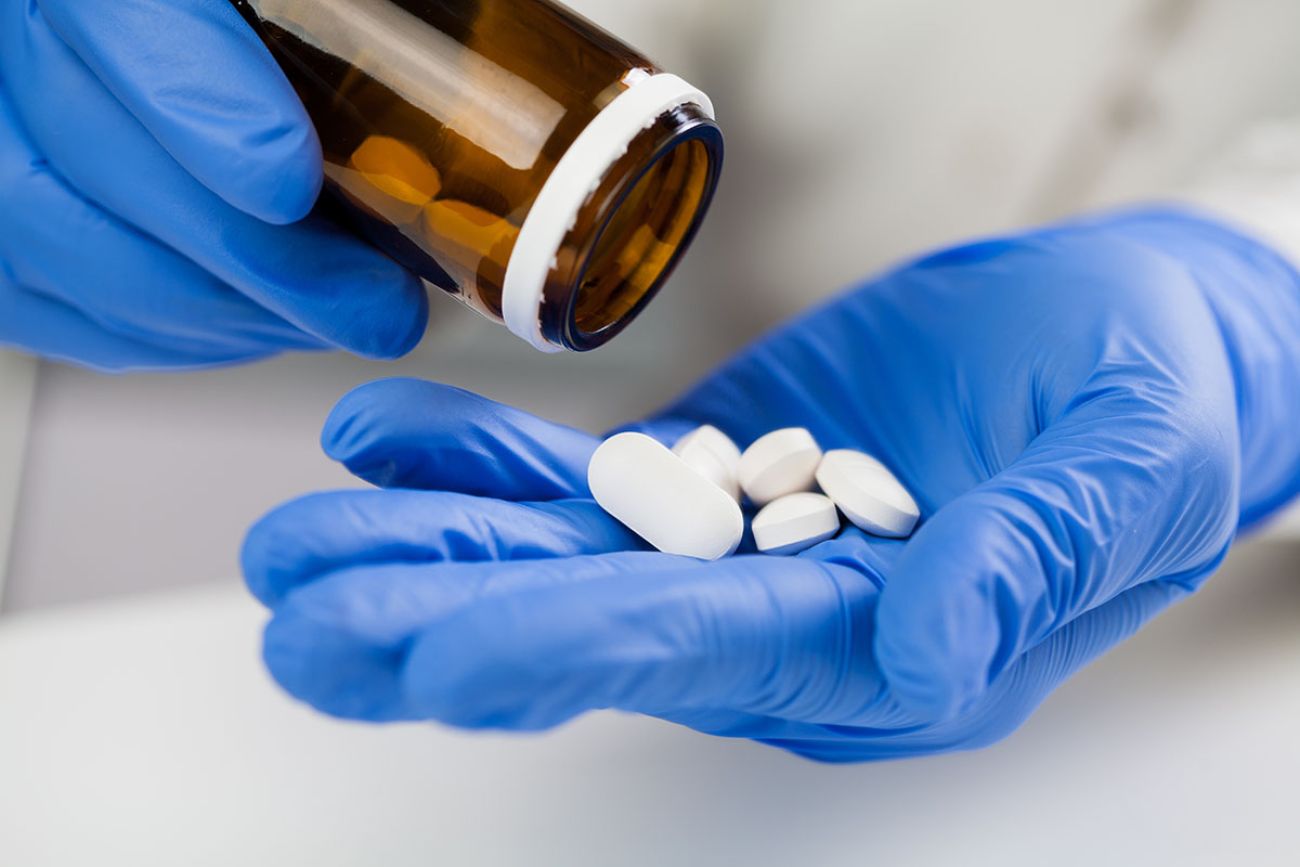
(575, 178)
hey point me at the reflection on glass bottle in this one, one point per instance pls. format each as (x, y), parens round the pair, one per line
(508, 151)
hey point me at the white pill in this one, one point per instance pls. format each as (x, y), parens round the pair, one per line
(657, 496)
(715, 441)
(783, 462)
(710, 452)
(868, 494)
(795, 523)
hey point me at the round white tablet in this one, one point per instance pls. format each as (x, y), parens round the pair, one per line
(710, 452)
(783, 462)
(795, 523)
(868, 494)
(661, 499)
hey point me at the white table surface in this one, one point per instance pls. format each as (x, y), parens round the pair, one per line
(145, 733)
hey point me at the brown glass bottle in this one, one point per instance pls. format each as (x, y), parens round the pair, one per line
(507, 151)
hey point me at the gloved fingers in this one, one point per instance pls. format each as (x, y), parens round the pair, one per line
(340, 644)
(406, 433)
(763, 636)
(344, 645)
(323, 533)
(1126, 489)
(313, 273)
(60, 245)
(243, 133)
(43, 326)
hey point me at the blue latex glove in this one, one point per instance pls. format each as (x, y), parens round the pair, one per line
(1086, 414)
(155, 167)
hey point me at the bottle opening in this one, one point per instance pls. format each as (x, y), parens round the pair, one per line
(633, 230)
(642, 240)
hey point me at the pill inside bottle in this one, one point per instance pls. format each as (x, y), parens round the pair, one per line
(509, 152)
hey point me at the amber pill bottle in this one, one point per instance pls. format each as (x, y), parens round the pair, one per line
(509, 152)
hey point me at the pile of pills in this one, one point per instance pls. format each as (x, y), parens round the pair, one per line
(687, 500)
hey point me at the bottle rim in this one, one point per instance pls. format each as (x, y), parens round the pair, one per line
(562, 321)
(576, 176)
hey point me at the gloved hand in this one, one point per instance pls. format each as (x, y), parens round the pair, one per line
(1086, 414)
(155, 167)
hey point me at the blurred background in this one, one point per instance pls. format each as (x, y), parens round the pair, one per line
(859, 132)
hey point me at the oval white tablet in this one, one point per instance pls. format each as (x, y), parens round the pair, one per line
(783, 462)
(795, 523)
(711, 453)
(868, 494)
(657, 496)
